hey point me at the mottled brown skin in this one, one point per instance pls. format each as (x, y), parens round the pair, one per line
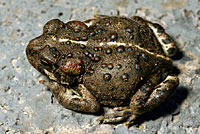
(89, 67)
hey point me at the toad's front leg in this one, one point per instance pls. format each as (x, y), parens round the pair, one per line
(145, 99)
(70, 99)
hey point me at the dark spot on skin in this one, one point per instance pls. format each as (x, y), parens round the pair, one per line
(78, 38)
(98, 23)
(120, 49)
(108, 23)
(144, 57)
(127, 112)
(166, 41)
(86, 53)
(137, 67)
(111, 88)
(84, 38)
(50, 33)
(140, 44)
(131, 37)
(113, 37)
(92, 34)
(100, 48)
(96, 49)
(150, 49)
(82, 46)
(107, 76)
(146, 90)
(159, 28)
(63, 56)
(171, 50)
(104, 39)
(97, 58)
(110, 66)
(91, 55)
(62, 43)
(70, 55)
(99, 31)
(109, 51)
(78, 52)
(128, 30)
(130, 49)
(125, 77)
(90, 71)
(68, 42)
(118, 66)
(99, 40)
(76, 30)
(54, 52)
(104, 65)
(55, 55)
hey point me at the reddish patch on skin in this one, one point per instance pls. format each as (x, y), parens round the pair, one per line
(149, 89)
(72, 66)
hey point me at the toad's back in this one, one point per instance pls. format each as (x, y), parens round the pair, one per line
(110, 31)
(120, 73)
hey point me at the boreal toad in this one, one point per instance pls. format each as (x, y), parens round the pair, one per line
(112, 61)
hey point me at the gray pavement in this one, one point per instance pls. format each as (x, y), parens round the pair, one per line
(25, 105)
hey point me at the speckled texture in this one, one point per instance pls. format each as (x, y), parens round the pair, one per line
(25, 105)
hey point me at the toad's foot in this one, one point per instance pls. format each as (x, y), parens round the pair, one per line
(116, 117)
(84, 102)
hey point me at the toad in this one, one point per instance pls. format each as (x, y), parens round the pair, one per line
(110, 61)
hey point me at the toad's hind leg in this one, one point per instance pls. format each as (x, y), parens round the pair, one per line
(145, 99)
(148, 98)
(167, 43)
(70, 99)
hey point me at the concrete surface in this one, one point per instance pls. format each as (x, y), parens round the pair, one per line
(25, 105)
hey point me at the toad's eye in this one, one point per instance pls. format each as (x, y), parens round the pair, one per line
(49, 55)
